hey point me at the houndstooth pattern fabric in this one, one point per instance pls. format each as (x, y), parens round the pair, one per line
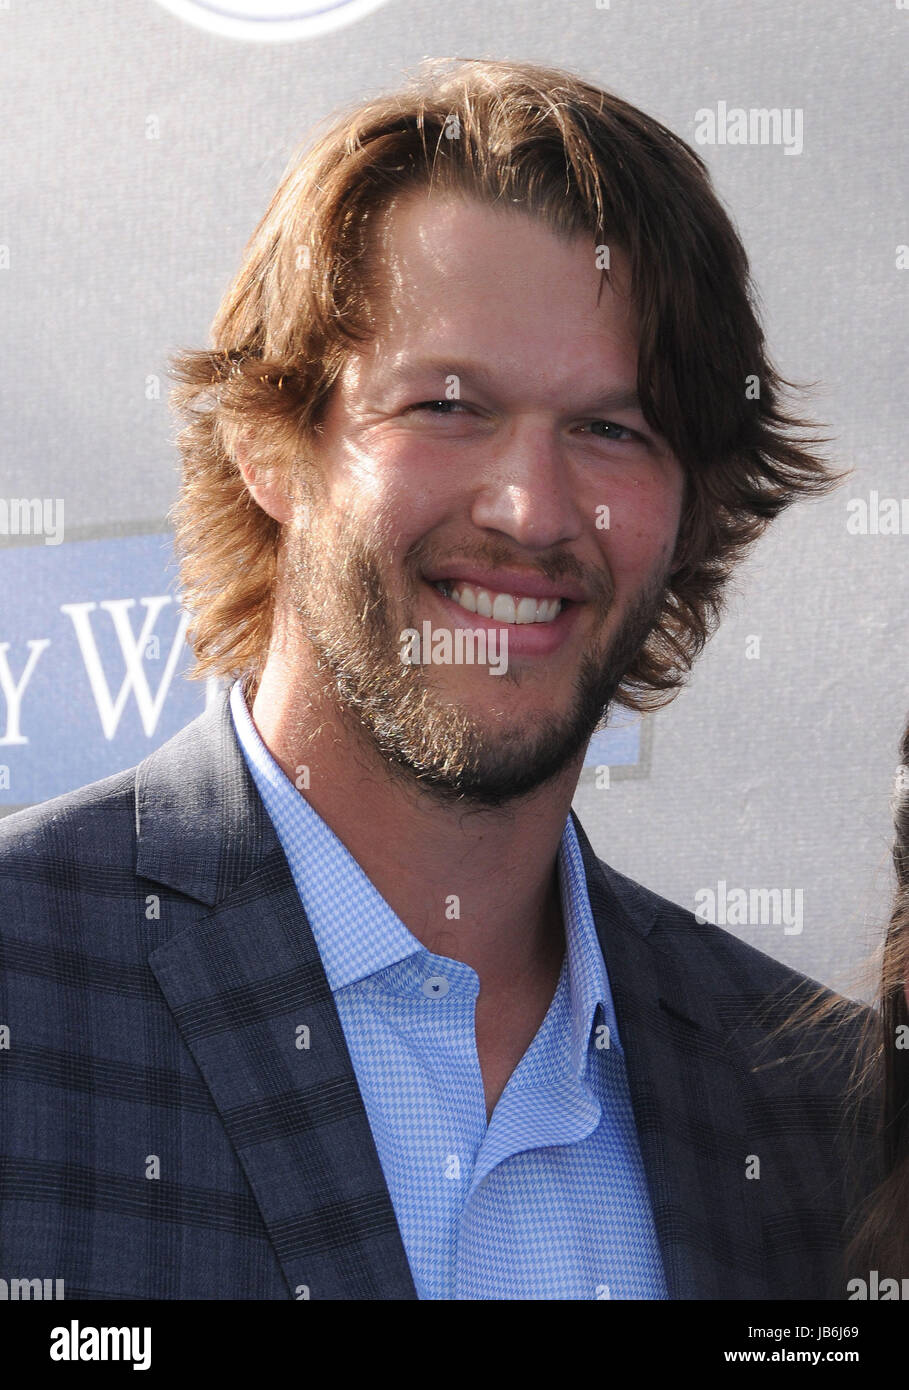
(550, 1200)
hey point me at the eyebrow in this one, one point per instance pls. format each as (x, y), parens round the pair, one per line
(407, 369)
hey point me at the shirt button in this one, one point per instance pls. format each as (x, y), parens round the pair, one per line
(435, 987)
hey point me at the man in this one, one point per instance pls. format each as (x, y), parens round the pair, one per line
(331, 998)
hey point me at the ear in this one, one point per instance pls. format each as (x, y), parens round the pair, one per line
(266, 487)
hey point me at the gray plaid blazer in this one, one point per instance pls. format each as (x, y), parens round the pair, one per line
(162, 1136)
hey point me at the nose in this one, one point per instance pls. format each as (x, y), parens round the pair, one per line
(527, 491)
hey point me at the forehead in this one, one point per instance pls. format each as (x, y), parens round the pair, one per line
(462, 276)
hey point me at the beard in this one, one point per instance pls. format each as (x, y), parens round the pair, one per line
(338, 591)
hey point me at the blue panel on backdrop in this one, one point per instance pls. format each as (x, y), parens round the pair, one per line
(93, 662)
(618, 746)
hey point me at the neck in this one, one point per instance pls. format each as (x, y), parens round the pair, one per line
(479, 886)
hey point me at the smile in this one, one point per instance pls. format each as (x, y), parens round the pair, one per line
(502, 608)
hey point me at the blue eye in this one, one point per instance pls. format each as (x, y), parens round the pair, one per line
(611, 425)
(431, 405)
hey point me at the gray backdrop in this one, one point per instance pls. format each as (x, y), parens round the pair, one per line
(139, 150)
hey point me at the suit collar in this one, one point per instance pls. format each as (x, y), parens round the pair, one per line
(200, 823)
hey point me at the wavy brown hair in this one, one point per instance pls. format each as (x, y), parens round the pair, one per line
(584, 162)
(881, 1240)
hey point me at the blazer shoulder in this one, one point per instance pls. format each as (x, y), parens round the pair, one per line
(793, 1030)
(717, 955)
(68, 860)
(90, 813)
(103, 809)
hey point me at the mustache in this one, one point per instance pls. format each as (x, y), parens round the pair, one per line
(597, 583)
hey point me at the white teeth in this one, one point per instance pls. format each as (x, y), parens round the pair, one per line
(504, 608)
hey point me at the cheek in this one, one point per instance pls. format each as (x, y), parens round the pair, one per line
(388, 508)
(380, 473)
(355, 484)
(414, 493)
(643, 524)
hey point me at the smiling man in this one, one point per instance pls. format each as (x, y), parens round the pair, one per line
(419, 507)
(355, 976)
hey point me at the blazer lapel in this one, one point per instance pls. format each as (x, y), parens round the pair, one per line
(687, 1091)
(249, 995)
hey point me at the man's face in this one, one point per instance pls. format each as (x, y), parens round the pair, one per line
(501, 488)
